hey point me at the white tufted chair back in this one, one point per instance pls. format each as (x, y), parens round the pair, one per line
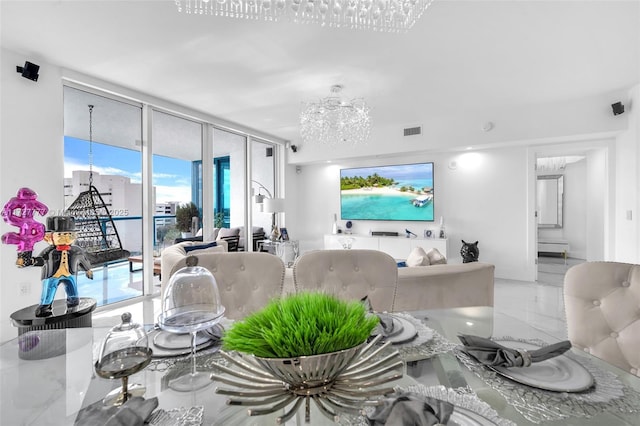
(350, 275)
(602, 303)
(246, 280)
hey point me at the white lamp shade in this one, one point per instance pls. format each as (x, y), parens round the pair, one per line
(273, 205)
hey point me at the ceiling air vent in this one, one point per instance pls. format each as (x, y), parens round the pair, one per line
(410, 131)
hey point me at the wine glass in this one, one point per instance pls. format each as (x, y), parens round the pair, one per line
(124, 351)
(191, 303)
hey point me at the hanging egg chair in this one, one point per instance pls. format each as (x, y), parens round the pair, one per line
(95, 229)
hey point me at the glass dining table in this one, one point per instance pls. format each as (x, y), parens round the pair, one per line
(52, 390)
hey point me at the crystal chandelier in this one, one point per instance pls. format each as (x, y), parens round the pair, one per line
(334, 120)
(378, 15)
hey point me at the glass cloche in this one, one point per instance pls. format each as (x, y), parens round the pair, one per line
(191, 303)
(124, 351)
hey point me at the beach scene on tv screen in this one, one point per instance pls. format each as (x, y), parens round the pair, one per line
(397, 192)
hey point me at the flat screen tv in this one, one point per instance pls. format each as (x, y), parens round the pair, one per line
(395, 192)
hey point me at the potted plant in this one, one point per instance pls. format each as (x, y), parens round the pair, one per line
(184, 214)
(218, 220)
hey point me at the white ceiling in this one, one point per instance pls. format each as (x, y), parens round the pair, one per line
(465, 55)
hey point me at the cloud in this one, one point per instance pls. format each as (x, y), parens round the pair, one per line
(166, 193)
(70, 166)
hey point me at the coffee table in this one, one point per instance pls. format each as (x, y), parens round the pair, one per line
(157, 268)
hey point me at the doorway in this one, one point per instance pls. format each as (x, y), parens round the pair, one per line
(570, 204)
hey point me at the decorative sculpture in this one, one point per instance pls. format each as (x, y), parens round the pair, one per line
(60, 263)
(469, 252)
(19, 212)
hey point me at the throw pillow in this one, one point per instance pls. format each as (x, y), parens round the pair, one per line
(228, 232)
(194, 247)
(417, 257)
(435, 257)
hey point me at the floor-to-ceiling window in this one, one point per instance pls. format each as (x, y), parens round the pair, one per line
(102, 163)
(177, 158)
(263, 182)
(145, 176)
(229, 163)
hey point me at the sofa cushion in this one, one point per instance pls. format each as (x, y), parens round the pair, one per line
(417, 257)
(227, 232)
(196, 247)
(435, 257)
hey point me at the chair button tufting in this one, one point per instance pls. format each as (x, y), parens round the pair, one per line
(228, 288)
(596, 303)
(242, 267)
(634, 371)
(214, 269)
(614, 334)
(255, 287)
(587, 350)
(356, 269)
(626, 283)
(331, 268)
(344, 286)
(241, 308)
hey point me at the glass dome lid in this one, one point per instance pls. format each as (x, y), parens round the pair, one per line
(191, 300)
(124, 352)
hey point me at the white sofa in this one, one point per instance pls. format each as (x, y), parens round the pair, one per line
(444, 286)
(418, 287)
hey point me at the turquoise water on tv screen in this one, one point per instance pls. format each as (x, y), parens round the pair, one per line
(366, 199)
(383, 207)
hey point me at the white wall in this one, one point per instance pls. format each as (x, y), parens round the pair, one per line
(481, 199)
(495, 202)
(31, 147)
(627, 249)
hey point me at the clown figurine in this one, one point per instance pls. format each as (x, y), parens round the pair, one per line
(60, 263)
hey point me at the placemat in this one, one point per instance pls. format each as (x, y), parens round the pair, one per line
(537, 405)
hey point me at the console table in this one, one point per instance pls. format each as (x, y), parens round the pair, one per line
(554, 246)
(396, 247)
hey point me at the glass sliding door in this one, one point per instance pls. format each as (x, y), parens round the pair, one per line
(177, 177)
(103, 191)
(263, 184)
(222, 191)
(228, 185)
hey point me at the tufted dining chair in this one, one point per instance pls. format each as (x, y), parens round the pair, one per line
(246, 280)
(350, 275)
(602, 303)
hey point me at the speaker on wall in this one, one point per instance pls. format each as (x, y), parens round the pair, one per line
(617, 108)
(29, 70)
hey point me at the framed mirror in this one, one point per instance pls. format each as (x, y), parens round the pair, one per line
(550, 194)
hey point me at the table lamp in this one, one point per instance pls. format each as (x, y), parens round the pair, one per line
(273, 206)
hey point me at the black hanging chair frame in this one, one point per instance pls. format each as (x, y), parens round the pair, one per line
(95, 229)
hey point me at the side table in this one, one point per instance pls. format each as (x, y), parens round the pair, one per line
(285, 250)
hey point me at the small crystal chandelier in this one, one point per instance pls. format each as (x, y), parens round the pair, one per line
(378, 15)
(334, 120)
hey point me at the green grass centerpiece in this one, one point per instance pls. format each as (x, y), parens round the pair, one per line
(302, 348)
(302, 324)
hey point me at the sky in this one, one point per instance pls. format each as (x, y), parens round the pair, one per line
(171, 177)
(397, 172)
